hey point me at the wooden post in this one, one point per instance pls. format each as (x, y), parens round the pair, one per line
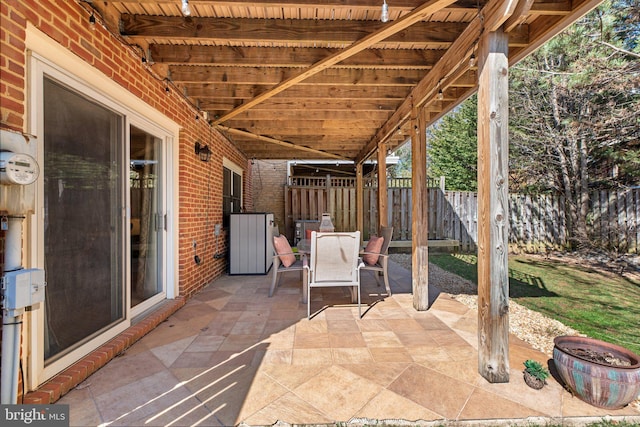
(493, 227)
(420, 226)
(383, 219)
(359, 200)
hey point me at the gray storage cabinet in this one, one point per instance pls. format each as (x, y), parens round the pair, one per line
(250, 243)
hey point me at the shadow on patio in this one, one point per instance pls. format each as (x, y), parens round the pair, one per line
(232, 355)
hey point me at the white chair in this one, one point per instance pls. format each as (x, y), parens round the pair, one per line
(334, 261)
(382, 262)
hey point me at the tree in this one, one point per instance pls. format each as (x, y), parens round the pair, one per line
(574, 117)
(575, 111)
(403, 168)
(452, 147)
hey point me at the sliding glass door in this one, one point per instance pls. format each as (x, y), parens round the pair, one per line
(83, 221)
(148, 221)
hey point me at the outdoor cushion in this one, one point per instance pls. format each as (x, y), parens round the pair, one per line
(283, 249)
(372, 250)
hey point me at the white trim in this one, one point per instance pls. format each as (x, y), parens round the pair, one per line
(226, 163)
(45, 56)
(231, 165)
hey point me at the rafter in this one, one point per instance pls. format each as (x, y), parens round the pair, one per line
(545, 8)
(278, 142)
(290, 57)
(368, 41)
(330, 92)
(274, 76)
(338, 33)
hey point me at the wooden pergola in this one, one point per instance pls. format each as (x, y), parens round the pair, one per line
(327, 79)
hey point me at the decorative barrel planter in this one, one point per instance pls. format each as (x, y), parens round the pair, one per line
(598, 383)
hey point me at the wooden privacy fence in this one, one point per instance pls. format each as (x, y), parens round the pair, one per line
(306, 198)
(536, 222)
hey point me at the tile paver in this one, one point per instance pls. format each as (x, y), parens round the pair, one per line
(232, 355)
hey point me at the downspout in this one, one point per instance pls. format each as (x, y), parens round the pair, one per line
(11, 325)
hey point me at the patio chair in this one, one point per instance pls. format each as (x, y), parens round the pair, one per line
(334, 262)
(284, 260)
(376, 256)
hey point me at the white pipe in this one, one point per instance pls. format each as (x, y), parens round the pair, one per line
(11, 325)
(13, 244)
(10, 357)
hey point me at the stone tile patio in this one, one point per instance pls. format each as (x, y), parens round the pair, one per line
(233, 355)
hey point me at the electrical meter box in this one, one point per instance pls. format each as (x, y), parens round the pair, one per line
(23, 288)
(18, 168)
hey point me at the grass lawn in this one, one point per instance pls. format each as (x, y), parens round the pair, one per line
(600, 304)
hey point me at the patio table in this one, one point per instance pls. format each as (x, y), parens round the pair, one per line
(304, 248)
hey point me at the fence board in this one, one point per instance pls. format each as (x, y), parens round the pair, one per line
(536, 222)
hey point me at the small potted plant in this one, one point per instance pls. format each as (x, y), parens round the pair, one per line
(535, 375)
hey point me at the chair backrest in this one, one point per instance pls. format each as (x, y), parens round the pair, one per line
(334, 257)
(387, 234)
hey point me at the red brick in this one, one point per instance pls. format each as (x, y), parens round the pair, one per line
(77, 374)
(37, 398)
(53, 389)
(65, 383)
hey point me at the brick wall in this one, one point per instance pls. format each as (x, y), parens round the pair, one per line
(268, 179)
(200, 184)
(67, 22)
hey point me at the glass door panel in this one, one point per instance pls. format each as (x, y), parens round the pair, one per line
(83, 218)
(147, 219)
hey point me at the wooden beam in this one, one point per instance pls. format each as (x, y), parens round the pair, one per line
(404, 6)
(493, 226)
(320, 31)
(519, 15)
(419, 211)
(386, 31)
(493, 15)
(383, 219)
(359, 199)
(207, 75)
(543, 32)
(274, 104)
(318, 124)
(320, 153)
(334, 115)
(226, 56)
(337, 91)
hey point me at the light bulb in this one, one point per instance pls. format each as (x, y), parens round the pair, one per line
(384, 17)
(440, 94)
(472, 60)
(186, 10)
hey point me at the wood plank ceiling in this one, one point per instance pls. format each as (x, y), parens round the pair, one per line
(325, 79)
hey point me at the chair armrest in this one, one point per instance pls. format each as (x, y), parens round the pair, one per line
(373, 253)
(297, 254)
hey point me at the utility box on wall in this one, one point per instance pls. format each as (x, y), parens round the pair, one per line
(23, 289)
(250, 243)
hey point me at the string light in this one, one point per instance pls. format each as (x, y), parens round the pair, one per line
(92, 21)
(384, 17)
(440, 95)
(186, 10)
